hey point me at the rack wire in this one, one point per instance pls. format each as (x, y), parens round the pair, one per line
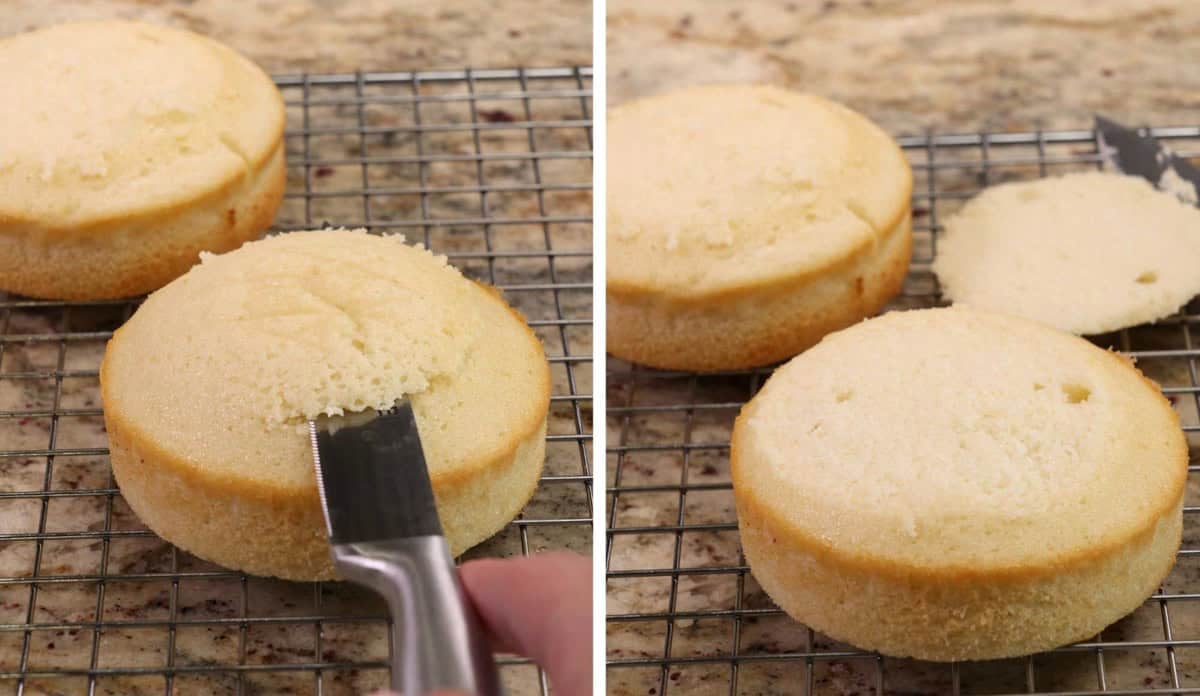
(491, 168)
(685, 614)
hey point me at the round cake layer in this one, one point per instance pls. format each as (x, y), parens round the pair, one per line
(765, 324)
(209, 385)
(1086, 253)
(950, 484)
(731, 204)
(138, 146)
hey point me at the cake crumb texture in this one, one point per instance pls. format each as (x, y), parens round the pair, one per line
(105, 119)
(1088, 252)
(712, 188)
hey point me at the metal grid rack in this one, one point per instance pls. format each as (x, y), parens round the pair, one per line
(489, 167)
(685, 615)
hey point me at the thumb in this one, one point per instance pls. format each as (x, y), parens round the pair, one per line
(540, 607)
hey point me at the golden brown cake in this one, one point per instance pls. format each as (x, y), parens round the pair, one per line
(208, 387)
(745, 223)
(950, 484)
(128, 149)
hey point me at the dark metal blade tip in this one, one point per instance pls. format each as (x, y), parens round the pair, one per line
(1135, 152)
(1106, 124)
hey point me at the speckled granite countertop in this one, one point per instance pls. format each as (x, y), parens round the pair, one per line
(916, 64)
(334, 36)
(265, 625)
(911, 65)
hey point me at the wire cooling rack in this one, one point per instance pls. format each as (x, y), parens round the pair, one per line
(686, 615)
(489, 167)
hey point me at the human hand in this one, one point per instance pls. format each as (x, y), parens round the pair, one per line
(539, 607)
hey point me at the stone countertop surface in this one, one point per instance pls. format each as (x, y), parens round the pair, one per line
(910, 65)
(433, 170)
(333, 36)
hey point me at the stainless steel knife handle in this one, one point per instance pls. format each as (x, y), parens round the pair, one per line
(438, 639)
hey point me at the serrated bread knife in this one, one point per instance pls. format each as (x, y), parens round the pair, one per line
(385, 533)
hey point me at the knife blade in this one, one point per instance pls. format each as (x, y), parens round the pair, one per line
(1133, 152)
(372, 477)
(385, 533)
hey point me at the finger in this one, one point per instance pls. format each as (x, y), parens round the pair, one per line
(540, 607)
